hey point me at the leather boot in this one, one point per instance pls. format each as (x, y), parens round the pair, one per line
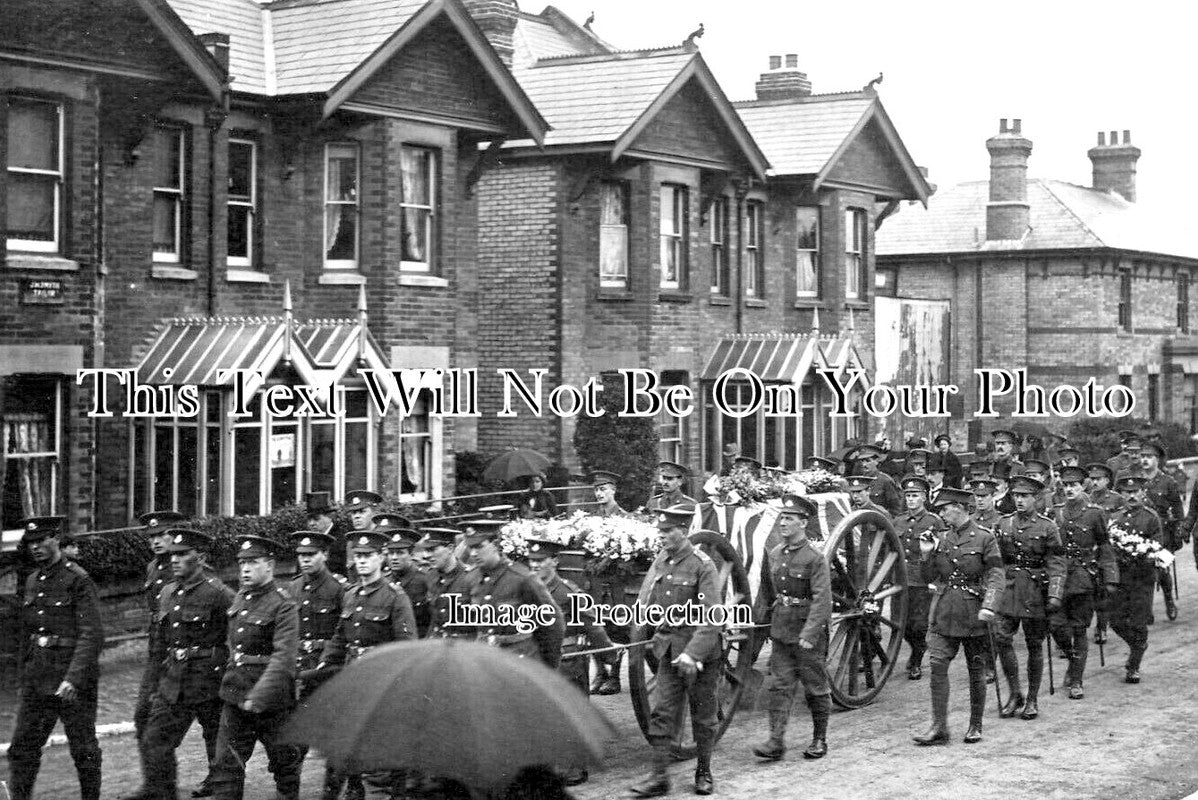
(611, 684)
(1077, 667)
(977, 705)
(704, 784)
(21, 785)
(89, 782)
(600, 676)
(1010, 667)
(1035, 674)
(915, 664)
(773, 748)
(658, 781)
(938, 733)
(821, 709)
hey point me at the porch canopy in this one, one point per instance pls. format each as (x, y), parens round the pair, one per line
(782, 357)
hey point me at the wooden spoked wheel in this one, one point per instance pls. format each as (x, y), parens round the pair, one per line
(869, 606)
(737, 646)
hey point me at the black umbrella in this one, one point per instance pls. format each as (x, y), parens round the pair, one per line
(450, 709)
(515, 464)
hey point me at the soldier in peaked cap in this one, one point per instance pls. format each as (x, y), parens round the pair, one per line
(190, 644)
(964, 564)
(671, 476)
(687, 655)
(824, 463)
(984, 495)
(404, 571)
(607, 589)
(258, 687)
(604, 484)
(1164, 497)
(858, 488)
(1006, 447)
(914, 525)
(1090, 565)
(796, 600)
(1100, 487)
(158, 574)
(882, 490)
(1130, 606)
(1041, 471)
(917, 462)
(1127, 460)
(58, 652)
(1035, 565)
(449, 578)
(1069, 455)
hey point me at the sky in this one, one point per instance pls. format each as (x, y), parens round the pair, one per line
(953, 69)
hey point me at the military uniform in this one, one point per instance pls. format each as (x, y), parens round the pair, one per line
(1163, 496)
(911, 527)
(966, 569)
(190, 645)
(584, 636)
(885, 493)
(371, 614)
(1131, 603)
(666, 500)
(1124, 463)
(988, 519)
(318, 599)
(1107, 500)
(511, 584)
(607, 511)
(1034, 561)
(59, 639)
(416, 584)
(456, 581)
(263, 645)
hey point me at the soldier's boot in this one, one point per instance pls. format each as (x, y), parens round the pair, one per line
(977, 704)
(915, 664)
(1077, 672)
(704, 783)
(1133, 665)
(1165, 578)
(773, 748)
(1010, 667)
(600, 675)
(89, 780)
(1035, 675)
(22, 776)
(611, 684)
(658, 781)
(821, 709)
(938, 733)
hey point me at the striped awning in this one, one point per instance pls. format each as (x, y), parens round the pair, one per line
(774, 357)
(203, 351)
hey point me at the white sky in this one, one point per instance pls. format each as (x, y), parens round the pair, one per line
(953, 69)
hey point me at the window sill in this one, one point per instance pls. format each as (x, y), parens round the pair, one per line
(416, 279)
(49, 263)
(169, 273)
(675, 297)
(755, 302)
(615, 295)
(808, 302)
(860, 304)
(342, 279)
(719, 300)
(246, 276)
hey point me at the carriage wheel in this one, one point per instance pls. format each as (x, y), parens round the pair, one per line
(869, 606)
(736, 657)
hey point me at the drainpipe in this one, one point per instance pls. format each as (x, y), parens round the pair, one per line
(742, 191)
(214, 118)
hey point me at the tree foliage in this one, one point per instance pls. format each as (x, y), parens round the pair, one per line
(626, 446)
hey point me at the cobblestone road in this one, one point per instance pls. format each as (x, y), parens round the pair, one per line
(1129, 742)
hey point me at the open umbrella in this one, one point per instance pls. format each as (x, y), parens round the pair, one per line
(450, 709)
(515, 464)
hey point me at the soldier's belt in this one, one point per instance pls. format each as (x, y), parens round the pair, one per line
(189, 653)
(52, 641)
(790, 600)
(503, 639)
(311, 645)
(969, 587)
(242, 660)
(1027, 563)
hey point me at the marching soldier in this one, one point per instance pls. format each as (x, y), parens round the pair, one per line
(1090, 564)
(449, 578)
(362, 505)
(58, 663)
(374, 611)
(542, 560)
(190, 645)
(882, 490)
(1163, 497)
(965, 566)
(796, 600)
(1034, 561)
(984, 497)
(914, 525)
(1004, 443)
(671, 477)
(403, 569)
(1040, 471)
(604, 484)
(917, 460)
(1128, 458)
(158, 574)
(318, 593)
(1101, 488)
(258, 687)
(858, 486)
(687, 655)
(502, 582)
(1131, 603)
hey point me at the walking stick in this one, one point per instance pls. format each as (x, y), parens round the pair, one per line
(1176, 590)
(1052, 688)
(994, 652)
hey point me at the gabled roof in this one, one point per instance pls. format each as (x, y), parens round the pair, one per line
(1062, 216)
(190, 50)
(608, 99)
(551, 34)
(332, 47)
(808, 135)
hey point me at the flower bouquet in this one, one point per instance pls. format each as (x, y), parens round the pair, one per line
(514, 536)
(813, 481)
(744, 488)
(1132, 547)
(625, 545)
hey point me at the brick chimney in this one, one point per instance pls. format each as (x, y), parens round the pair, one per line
(497, 20)
(218, 45)
(783, 81)
(1007, 213)
(1115, 165)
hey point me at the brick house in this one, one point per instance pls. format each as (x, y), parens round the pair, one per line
(1071, 282)
(663, 227)
(317, 217)
(70, 93)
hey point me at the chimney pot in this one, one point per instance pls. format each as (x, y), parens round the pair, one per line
(1127, 137)
(1007, 212)
(783, 83)
(1101, 139)
(218, 45)
(1017, 125)
(792, 60)
(1114, 138)
(1114, 165)
(775, 62)
(497, 20)
(1002, 126)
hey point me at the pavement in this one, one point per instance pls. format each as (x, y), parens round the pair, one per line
(1121, 741)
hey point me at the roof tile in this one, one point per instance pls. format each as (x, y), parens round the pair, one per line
(799, 137)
